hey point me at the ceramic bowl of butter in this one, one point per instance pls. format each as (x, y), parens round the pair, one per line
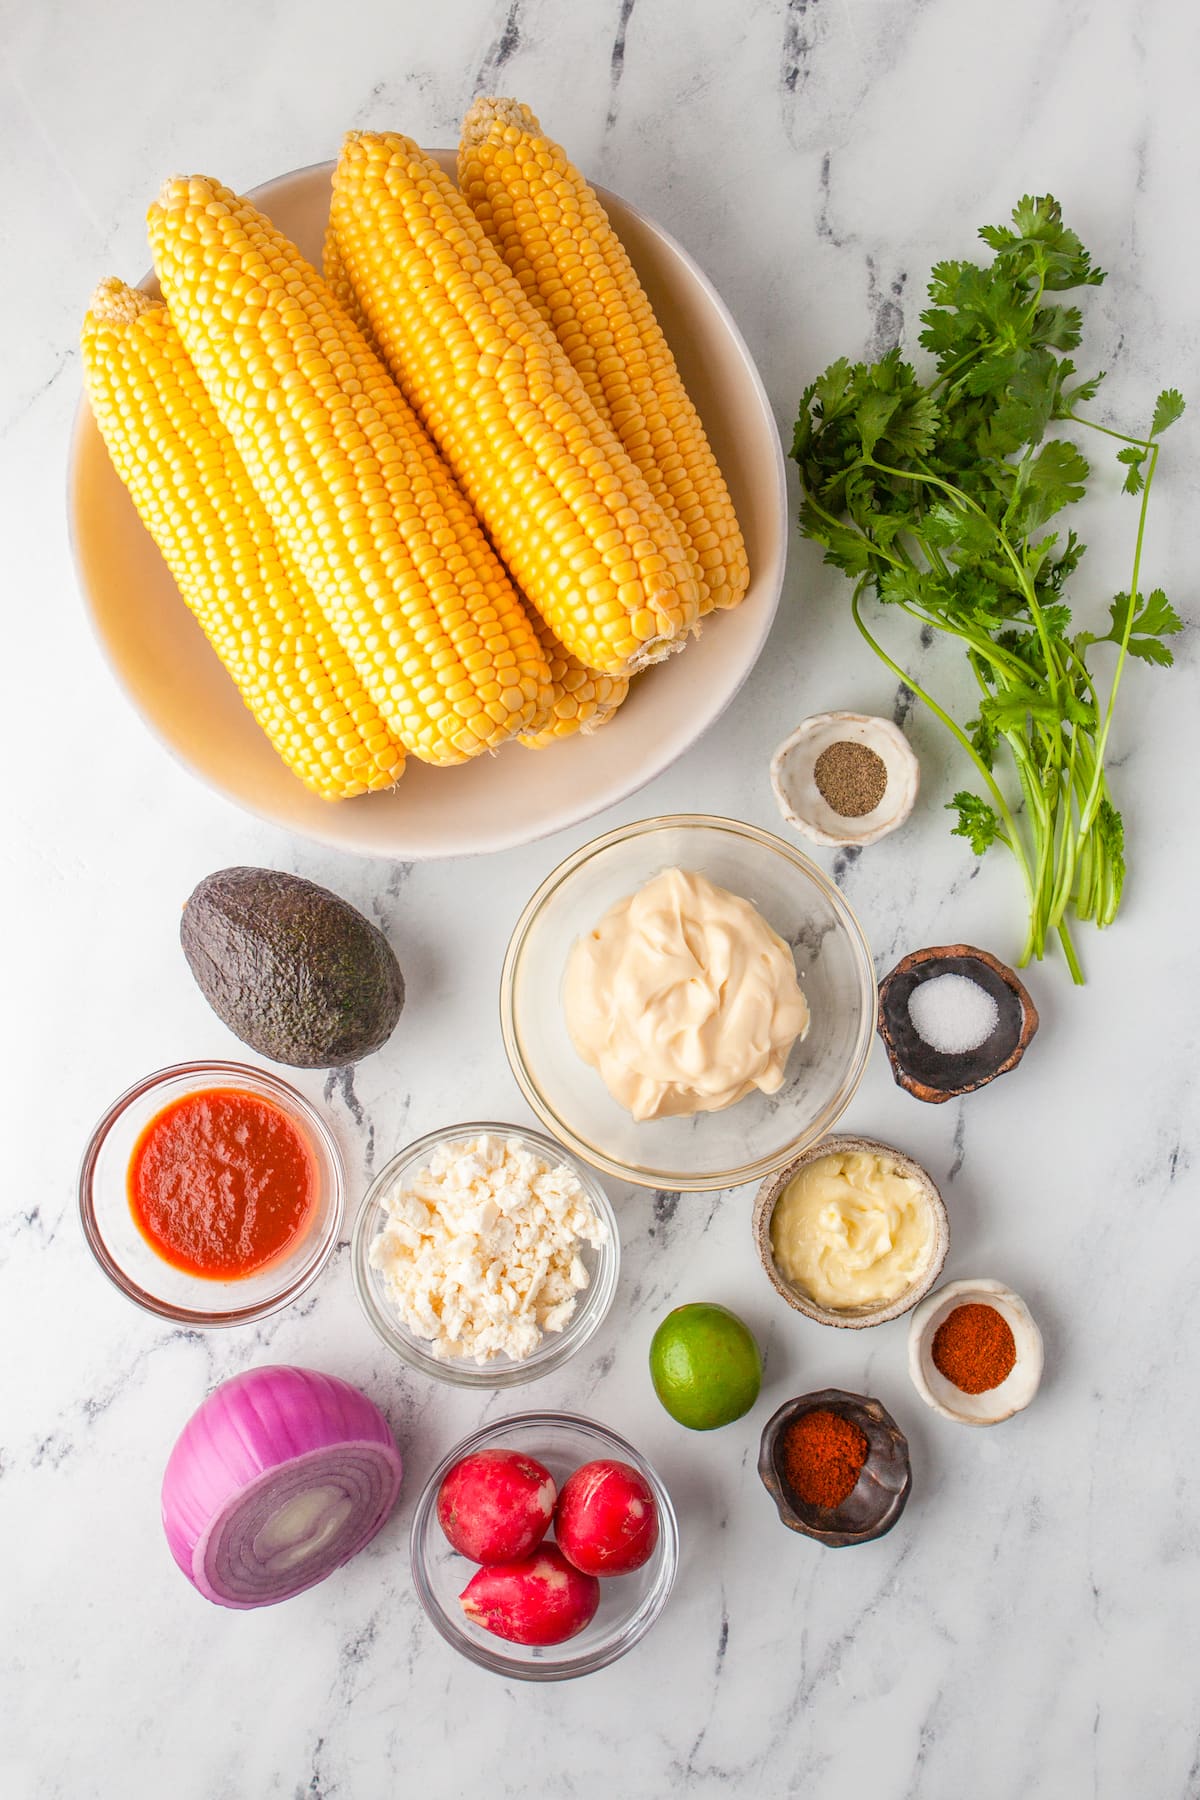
(485, 1257)
(852, 1232)
(687, 1002)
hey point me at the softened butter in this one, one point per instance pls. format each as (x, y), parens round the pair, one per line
(851, 1229)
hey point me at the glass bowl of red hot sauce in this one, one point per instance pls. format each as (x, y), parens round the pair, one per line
(211, 1193)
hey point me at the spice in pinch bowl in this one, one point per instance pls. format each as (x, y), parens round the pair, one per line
(836, 1465)
(975, 1352)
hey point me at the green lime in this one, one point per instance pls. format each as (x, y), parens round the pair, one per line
(705, 1366)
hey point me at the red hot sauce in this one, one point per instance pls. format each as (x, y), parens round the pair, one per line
(221, 1183)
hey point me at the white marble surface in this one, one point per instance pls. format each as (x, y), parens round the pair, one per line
(1030, 1628)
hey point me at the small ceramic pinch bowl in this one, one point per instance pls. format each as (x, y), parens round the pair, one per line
(878, 1497)
(800, 800)
(848, 1318)
(998, 1403)
(936, 1075)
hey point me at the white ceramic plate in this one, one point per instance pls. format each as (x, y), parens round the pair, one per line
(163, 661)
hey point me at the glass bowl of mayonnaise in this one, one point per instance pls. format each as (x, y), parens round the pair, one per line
(687, 1003)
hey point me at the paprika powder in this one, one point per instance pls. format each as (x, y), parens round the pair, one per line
(974, 1348)
(822, 1455)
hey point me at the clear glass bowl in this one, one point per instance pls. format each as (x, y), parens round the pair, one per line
(755, 1136)
(123, 1253)
(602, 1264)
(629, 1604)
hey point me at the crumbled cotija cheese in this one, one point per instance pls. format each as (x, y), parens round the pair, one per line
(480, 1253)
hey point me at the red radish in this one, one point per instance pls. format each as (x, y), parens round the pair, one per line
(496, 1505)
(540, 1600)
(607, 1520)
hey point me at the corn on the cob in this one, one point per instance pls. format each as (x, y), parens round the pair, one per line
(565, 506)
(193, 495)
(580, 699)
(350, 480)
(555, 236)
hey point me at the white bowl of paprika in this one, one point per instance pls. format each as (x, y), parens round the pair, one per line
(975, 1352)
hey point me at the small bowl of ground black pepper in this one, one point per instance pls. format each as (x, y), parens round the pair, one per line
(845, 778)
(975, 1352)
(836, 1465)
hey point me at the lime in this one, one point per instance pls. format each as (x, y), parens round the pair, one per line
(705, 1365)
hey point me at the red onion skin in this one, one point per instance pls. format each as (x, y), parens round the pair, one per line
(257, 1422)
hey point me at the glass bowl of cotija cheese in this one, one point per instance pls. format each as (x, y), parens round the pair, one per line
(485, 1256)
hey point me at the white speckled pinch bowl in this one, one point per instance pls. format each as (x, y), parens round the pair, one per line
(800, 800)
(998, 1403)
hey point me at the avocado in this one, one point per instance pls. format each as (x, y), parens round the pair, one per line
(293, 970)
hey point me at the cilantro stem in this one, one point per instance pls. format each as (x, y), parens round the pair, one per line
(960, 497)
(1068, 950)
(1010, 834)
(1122, 437)
(1094, 796)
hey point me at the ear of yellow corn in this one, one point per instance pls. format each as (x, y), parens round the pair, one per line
(555, 236)
(192, 493)
(580, 699)
(349, 479)
(565, 506)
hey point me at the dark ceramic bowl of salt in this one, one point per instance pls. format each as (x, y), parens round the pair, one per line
(935, 1073)
(878, 1497)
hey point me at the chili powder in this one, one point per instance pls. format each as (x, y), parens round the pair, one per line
(974, 1348)
(822, 1457)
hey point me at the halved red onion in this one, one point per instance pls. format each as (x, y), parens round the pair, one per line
(282, 1475)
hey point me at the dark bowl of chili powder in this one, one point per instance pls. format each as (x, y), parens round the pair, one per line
(836, 1465)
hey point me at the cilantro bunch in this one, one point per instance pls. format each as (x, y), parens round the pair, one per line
(937, 497)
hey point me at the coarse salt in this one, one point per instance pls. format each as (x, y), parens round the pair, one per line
(480, 1250)
(952, 1013)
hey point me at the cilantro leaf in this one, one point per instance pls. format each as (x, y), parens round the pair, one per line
(1110, 828)
(977, 821)
(1054, 478)
(1154, 618)
(986, 740)
(845, 548)
(1080, 394)
(1134, 458)
(1167, 408)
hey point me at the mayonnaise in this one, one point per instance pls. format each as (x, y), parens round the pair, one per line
(851, 1229)
(683, 998)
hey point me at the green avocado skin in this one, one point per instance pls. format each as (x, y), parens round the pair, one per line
(293, 970)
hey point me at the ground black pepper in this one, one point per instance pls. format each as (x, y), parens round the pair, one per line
(852, 778)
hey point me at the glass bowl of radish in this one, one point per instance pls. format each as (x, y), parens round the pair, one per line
(551, 1527)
